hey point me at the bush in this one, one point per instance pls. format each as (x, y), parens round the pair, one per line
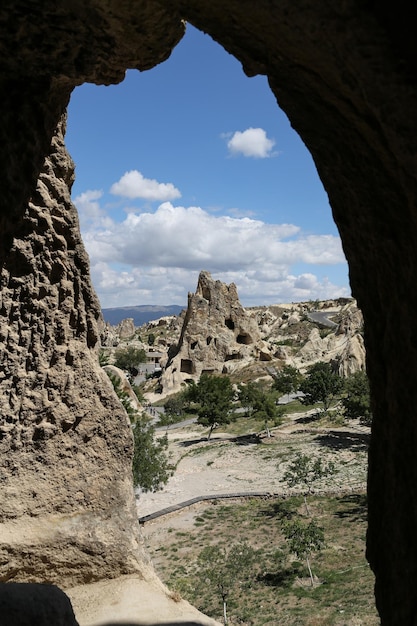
(151, 467)
(129, 358)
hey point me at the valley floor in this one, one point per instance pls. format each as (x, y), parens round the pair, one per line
(229, 464)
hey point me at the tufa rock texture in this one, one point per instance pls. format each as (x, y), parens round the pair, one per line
(345, 74)
(67, 512)
(344, 347)
(217, 336)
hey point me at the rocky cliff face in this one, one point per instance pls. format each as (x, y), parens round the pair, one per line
(344, 346)
(66, 508)
(218, 335)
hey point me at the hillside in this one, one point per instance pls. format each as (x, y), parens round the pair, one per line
(139, 314)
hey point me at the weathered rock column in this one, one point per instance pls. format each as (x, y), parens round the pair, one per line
(67, 511)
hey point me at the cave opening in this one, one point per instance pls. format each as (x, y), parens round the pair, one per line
(126, 272)
(164, 186)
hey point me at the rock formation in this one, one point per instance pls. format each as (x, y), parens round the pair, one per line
(67, 511)
(344, 347)
(345, 74)
(125, 387)
(217, 336)
(126, 328)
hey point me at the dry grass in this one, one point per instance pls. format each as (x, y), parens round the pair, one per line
(279, 591)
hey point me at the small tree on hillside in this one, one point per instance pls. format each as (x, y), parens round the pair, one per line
(304, 539)
(151, 467)
(287, 380)
(268, 411)
(357, 402)
(225, 569)
(214, 394)
(129, 358)
(305, 471)
(103, 358)
(173, 410)
(260, 404)
(123, 396)
(320, 385)
(248, 397)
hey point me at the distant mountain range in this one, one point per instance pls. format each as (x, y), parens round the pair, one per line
(140, 314)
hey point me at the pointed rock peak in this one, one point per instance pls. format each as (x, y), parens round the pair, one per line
(205, 285)
(209, 289)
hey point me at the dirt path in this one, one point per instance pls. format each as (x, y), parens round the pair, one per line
(228, 464)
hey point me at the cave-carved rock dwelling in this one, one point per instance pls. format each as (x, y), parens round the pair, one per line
(345, 74)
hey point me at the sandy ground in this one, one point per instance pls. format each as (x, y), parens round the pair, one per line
(132, 602)
(224, 465)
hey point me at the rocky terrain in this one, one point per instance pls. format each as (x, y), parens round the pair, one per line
(217, 334)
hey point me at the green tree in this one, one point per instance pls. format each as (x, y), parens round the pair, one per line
(287, 380)
(225, 569)
(266, 409)
(103, 358)
(151, 467)
(174, 409)
(129, 358)
(305, 471)
(174, 406)
(151, 339)
(320, 385)
(214, 394)
(260, 404)
(357, 401)
(248, 396)
(123, 396)
(303, 539)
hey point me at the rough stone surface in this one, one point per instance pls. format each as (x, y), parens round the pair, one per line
(217, 336)
(126, 328)
(125, 386)
(66, 507)
(344, 348)
(345, 74)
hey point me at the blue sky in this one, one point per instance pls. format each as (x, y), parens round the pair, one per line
(192, 166)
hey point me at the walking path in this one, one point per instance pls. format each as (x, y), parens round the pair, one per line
(234, 467)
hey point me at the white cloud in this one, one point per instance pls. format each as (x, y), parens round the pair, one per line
(144, 285)
(88, 206)
(151, 285)
(252, 142)
(193, 239)
(90, 213)
(156, 257)
(134, 185)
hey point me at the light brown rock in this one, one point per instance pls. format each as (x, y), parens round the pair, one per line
(218, 335)
(67, 511)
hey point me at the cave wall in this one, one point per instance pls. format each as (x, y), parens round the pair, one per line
(67, 510)
(344, 72)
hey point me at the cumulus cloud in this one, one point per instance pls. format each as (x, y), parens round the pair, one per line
(168, 285)
(88, 205)
(175, 236)
(252, 142)
(134, 185)
(156, 257)
(91, 214)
